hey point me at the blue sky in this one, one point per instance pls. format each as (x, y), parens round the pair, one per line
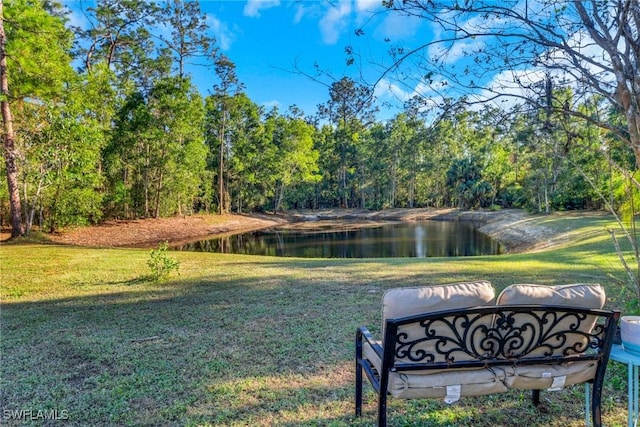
(267, 39)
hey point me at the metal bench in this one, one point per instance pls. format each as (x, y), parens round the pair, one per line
(487, 349)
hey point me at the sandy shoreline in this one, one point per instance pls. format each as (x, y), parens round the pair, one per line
(515, 229)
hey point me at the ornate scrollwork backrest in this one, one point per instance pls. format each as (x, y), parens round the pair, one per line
(499, 333)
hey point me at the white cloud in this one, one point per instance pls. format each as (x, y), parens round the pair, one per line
(456, 51)
(346, 15)
(77, 19)
(224, 36)
(392, 93)
(502, 88)
(268, 105)
(253, 7)
(511, 86)
(368, 5)
(334, 22)
(582, 42)
(448, 48)
(300, 12)
(398, 27)
(386, 90)
(313, 10)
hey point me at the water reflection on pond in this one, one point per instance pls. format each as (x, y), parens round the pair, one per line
(405, 239)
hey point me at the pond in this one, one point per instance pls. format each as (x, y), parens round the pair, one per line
(357, 240)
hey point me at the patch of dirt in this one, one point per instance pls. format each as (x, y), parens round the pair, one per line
(146, 233)
(515, 229)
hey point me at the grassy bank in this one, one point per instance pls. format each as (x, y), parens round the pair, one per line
(240, 340)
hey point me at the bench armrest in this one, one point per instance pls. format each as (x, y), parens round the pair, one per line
(365, 335)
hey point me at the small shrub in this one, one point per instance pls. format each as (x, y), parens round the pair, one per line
(161, 264)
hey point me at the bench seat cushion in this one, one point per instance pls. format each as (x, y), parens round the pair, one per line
(540, 377)
(481, 381)
(433, 384)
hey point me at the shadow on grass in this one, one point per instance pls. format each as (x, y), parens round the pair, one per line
(270, 347)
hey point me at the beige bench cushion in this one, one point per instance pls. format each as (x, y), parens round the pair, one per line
(538, 377)
(402, 302)
(583, 295)
(433, 384)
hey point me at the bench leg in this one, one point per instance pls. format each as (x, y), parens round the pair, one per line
(382, 409)
(535, 397)
(596, 398)
(358, 375)
(358, 390)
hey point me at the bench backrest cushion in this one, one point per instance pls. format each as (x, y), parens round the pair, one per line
(403, 302)
(582, 295)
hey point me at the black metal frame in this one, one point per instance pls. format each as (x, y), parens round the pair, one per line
(515, 335)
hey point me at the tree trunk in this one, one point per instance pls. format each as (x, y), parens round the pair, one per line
(17, 228)
(125, 183)
(221, 209)
(156, 209)
(629, 104)
(30, 209)
(278, 197)
(145, 179)
(343, 186)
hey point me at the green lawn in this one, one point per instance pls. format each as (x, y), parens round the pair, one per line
(251, 341)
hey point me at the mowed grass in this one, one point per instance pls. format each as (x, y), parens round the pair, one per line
(252, 341)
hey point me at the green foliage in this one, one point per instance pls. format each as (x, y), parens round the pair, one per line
(247, 169)
(294, 161)
(36, 69)
(130, 136)
(61, 146)
(156, 156)
(511, 196)
(349, 110)
(161, 264)
(627, 196)
(465, 178)
(53, 138)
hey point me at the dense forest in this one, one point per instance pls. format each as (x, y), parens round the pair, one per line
(106, 123)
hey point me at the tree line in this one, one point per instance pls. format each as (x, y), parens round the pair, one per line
(104, 121)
